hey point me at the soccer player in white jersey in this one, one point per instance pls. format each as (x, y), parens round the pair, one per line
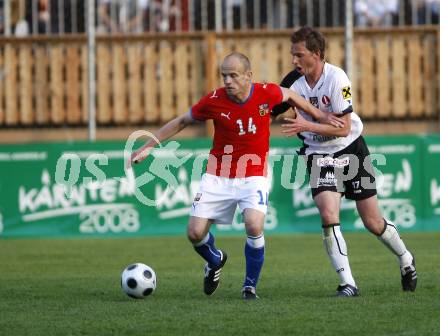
(338, 160)
(237, 164)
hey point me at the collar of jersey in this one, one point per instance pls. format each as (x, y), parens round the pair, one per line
(322, 77)
(246, 100)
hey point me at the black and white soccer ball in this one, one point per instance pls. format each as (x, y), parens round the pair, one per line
(138, 280)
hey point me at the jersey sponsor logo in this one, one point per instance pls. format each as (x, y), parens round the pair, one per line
(346, 92)
(325, 100)
(333, 162)
(323, 138)
(263, 109)
(328, 181)
(214, 95)
(225, 115)
(314, 101)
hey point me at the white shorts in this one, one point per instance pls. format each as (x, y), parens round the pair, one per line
(218, 197)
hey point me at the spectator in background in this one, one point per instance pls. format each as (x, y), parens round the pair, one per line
(373, 13)
(427, 11)
(121, 16)
(20, 27)
(434, 6)
(39, 18)
(43, 17)
(52, 16)
(179, 18)
(168, 15)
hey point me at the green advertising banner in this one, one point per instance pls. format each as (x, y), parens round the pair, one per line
(81, 189)
(431, 182)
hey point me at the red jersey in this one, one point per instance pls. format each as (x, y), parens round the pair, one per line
(241, 130)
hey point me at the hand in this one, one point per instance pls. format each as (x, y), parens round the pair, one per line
(290, 113)
(332, 119)
(139, 155)
(294, 126)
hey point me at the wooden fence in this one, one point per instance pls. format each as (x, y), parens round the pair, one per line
(150, 79)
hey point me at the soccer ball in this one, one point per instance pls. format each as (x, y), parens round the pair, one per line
(138, 280)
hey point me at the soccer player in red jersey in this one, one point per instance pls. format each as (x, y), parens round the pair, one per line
(236, 170)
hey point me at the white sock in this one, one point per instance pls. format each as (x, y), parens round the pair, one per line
(391, 239)
(255, 242)
(337, 251)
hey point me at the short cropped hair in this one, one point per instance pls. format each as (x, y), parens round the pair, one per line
(314, 40)
(244, 60)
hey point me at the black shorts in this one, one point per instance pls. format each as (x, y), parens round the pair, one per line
(348, 171)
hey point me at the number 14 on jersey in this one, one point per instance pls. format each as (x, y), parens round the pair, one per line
(251, 127)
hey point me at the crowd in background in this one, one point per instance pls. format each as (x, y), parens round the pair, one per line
(373, 13)
(29, 17)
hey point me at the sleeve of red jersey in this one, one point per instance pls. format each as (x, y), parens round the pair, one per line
(200, 110)
(275, 93)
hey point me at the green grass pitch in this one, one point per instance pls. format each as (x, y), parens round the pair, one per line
(72, 287)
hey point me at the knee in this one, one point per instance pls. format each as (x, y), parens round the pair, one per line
(195, 235)
(254, 230)
(374, 225)
(254, 227)
(329, 216)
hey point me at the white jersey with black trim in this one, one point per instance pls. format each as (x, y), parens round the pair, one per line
(332, 94)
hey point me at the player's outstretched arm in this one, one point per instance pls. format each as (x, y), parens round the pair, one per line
(293, 126)
(296, 100)
(164, 133)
